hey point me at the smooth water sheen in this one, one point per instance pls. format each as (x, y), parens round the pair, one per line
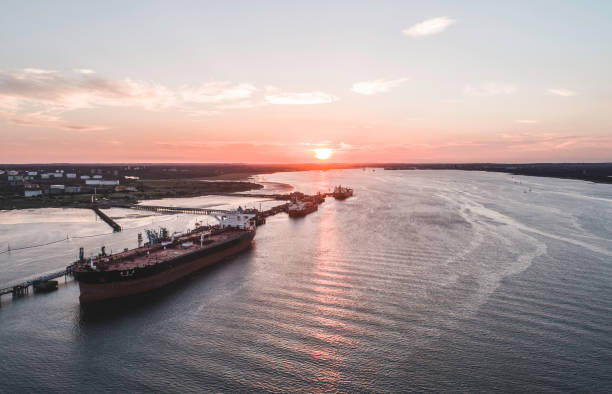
(424, 281)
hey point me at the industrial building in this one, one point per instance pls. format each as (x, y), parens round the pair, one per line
(32, 192)
(101, 182)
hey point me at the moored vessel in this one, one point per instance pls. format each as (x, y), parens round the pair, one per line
(163, 260)
(340, 193)
(301, 208)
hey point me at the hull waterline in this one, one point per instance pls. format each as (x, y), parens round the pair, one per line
(96, 292)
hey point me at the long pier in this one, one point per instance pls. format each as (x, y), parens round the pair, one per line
(261, 215)
(115, 226)
(158, 208)
(23, 288)
(260, 218)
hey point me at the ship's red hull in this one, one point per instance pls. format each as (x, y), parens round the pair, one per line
(302, 212)
(341, 193)
(94, 292)
(342, 196)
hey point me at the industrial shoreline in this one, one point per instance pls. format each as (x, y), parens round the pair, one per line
(71, 185)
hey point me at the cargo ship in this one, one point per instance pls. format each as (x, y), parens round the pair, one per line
(163, 260)
(301, 208)
(340, 193)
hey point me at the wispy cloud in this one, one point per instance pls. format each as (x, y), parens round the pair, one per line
(217, 92)
(335, 146)
(489, 88)
(377, 86)
(47, 121)
(84, 71)
(30, 121)
(305, 98)
(552, 141)
(345, 146)
(36, 71)
(562, 92)
(55, 91)
(429, 27)
(228, 151)
(38, 97)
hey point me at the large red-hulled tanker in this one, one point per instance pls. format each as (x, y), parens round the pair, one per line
(163, 260)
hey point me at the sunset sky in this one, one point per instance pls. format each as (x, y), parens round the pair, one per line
(270, 82)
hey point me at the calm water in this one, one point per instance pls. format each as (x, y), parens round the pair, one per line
(424, 281)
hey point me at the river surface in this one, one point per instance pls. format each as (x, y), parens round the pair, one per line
(423, 281)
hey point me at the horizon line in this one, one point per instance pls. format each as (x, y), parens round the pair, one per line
(305, 163)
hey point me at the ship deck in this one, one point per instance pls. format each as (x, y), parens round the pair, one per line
(137, 258)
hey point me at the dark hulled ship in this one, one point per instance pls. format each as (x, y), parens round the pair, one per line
(162, 260)
(340, 193)
(301, 208)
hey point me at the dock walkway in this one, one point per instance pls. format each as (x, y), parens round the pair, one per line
(23, 287)
(158, 208)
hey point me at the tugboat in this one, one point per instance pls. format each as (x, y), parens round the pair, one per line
(341, 193)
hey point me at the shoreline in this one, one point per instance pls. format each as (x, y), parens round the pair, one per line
(243, 180)
(148, 190)
(589, 172)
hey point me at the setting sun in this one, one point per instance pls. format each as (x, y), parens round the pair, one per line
(323, 153)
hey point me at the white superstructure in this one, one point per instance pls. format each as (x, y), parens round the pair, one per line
(235, 219)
